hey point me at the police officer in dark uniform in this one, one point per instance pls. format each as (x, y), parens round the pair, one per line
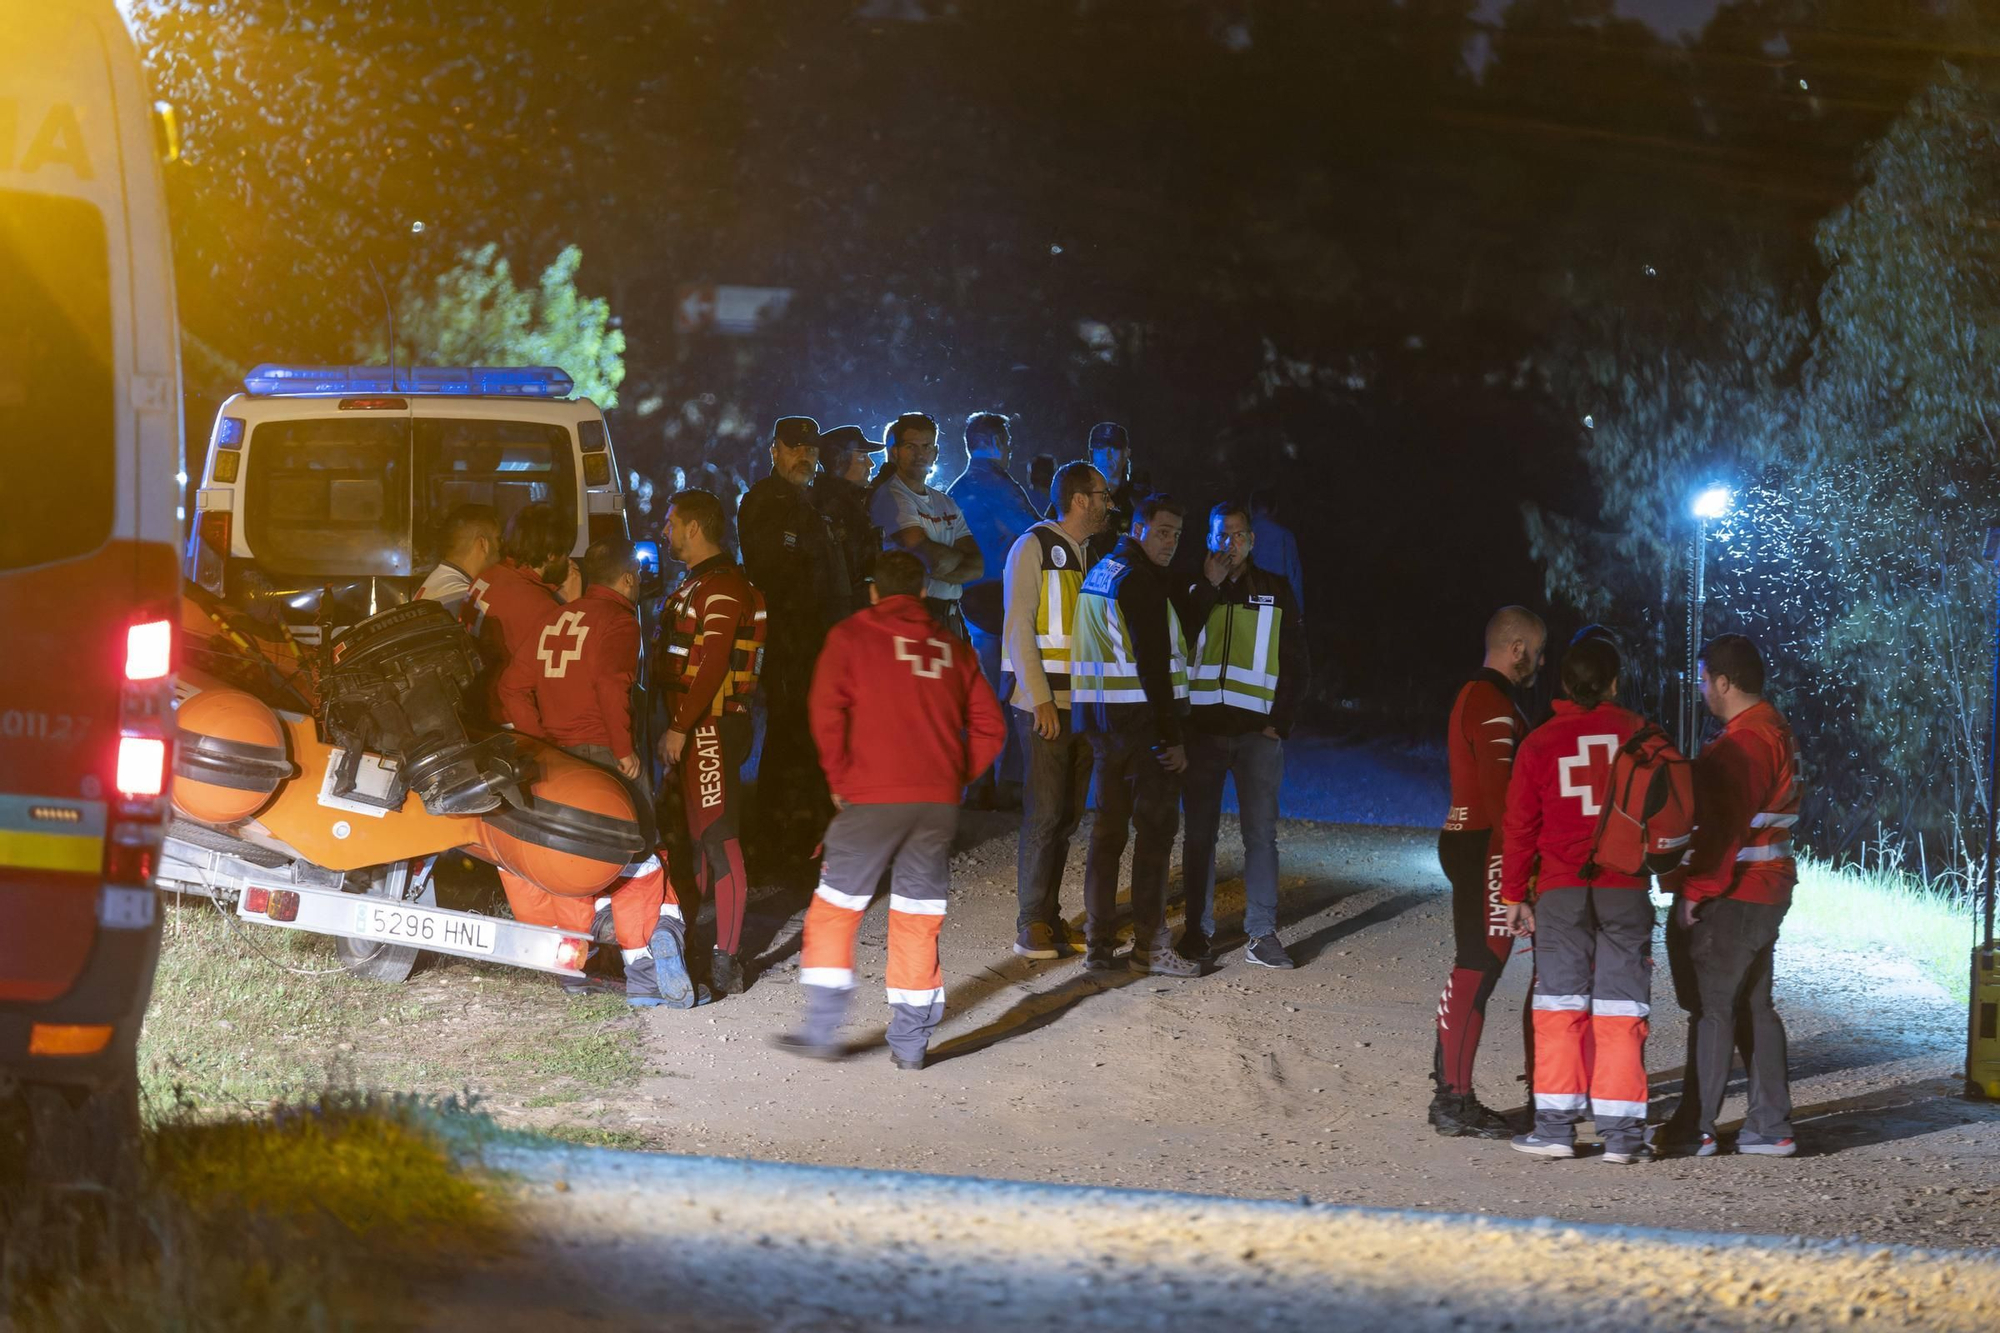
(840, 493)
(790, 555)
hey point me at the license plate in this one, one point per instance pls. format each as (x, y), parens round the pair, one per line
(423, 928)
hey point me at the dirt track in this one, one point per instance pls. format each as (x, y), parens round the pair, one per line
(1276, 1085)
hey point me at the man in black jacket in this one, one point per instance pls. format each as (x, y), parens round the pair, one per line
(790, 556)
(1128, 690)
(1246, 673)
(840, 493)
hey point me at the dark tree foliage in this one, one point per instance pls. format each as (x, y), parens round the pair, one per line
(1325, 244)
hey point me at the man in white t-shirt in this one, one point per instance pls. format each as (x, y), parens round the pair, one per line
(470, 536)
(919, 517)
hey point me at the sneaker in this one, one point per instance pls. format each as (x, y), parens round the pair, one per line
(661, 976)
(1065, 942)
(1037, 941)
(1265, 951)
(901, 1063)
(1195, 946)
(1536, 1146)
(1627, 1154)
(1456, 1115)
(1758, 1146)
(798, 1044)
(1162, 963)
(725, 975)
(1100, 958)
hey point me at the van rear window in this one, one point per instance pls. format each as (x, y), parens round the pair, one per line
(507, 465)
(58, 431)
(329, 496)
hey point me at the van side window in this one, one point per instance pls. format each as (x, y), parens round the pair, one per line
(58, 429)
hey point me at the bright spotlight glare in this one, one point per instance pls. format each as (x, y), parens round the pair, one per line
(1712, 503)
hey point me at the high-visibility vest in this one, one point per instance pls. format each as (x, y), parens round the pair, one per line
(1236, 657)
(1055, 610)
(1104, 668)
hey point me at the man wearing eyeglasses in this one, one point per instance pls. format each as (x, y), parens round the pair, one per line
(1045, 570)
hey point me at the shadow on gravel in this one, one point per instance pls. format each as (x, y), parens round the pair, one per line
(1034, 1011)
(1890, 1115)
(1310, 948)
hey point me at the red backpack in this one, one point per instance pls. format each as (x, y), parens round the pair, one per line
(1648, 813)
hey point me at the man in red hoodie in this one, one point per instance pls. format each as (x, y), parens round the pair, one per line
(508, 603)
(903, 720)
(1593, 927)
(572, 685)
(1736, 890)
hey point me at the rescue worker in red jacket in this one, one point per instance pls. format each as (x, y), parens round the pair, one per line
(1593, 927)
(903, 718)
(1486, 727)
(572, 686)
(509, 601)
(1731, 900)
(711, 649)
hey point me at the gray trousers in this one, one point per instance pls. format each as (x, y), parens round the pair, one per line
(861, 842)
(1722, 977)
(1053, 795)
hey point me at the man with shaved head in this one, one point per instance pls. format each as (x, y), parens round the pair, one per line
(1486, 724)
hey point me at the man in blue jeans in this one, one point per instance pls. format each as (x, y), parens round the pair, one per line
(1246, 673)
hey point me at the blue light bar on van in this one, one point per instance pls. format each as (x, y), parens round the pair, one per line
(462, 381)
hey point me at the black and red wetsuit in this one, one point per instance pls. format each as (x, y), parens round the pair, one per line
(1486, 725)
(712, 648)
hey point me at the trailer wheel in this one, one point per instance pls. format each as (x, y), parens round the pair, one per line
(374, 960)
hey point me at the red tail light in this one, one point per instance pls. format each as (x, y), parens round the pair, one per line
(284, 905)
(572, 953)
(149, 650)
(214, 530)
(130, 861)
(142, 765)
(257, 900)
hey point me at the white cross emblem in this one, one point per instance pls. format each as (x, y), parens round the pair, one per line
(1566, 768)
(922, 664)
(557, 657)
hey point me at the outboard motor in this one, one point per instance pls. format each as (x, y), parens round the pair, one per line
(394, 685)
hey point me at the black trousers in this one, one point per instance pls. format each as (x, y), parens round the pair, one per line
(1722, 978)
(1134, 795)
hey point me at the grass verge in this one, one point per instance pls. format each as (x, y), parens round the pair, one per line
(1868, 911)
(245, 1016)
(321, 1214)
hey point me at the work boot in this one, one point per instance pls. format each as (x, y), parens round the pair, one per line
(1162, 963)
(1037, 941)
(725, 975)
(1100, 958)
(1195, 946)
(1461, 1115)
(797, 1043)
(1266, 951)
(659, 977)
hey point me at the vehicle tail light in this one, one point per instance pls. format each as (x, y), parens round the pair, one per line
(257, 900)
(68, 1038)
(211, 548)
(373, 404)
(572, 953)
(142, 765)
(226, 465)
(214, 530)
(149, 650)
(284, 905)
(597, 469)
(131, 855)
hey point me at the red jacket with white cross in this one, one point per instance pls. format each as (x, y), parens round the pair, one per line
(900, 712)
(1562, 774)
(572, 681)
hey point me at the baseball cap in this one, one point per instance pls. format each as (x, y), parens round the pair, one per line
(1109, 435)
(796, 431)
(843, 438)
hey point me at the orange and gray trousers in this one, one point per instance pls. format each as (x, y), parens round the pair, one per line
(862, 842)
(1593, 978)
(626, 911)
